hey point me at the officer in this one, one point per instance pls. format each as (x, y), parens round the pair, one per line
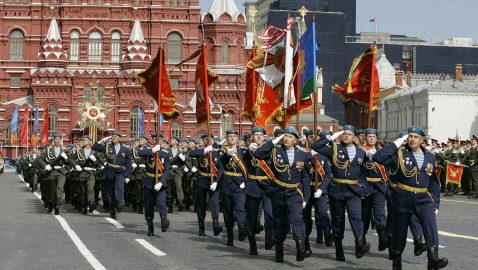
(139, 172)
(117, 170)
(190, 177)
(417, 192)
(376, 189)
(473, 163)
(30, 171)
(345, 189)
(177, 161)
(210, 172)
(258, 176)
(157, 165)
(289, 189)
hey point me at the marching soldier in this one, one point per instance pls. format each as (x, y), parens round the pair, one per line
(139, 172)
(417, 192)
(177, 160)
(473, 163)
(30, 171)
(117, 170)
(190, 177)
(289, 190)
(345, 189)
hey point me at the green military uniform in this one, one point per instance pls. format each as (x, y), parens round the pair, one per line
(30, 172)
(139, 165)
(177, 161)
(473, 163)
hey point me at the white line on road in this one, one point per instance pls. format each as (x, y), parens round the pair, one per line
(459, 201)
(150, 247)
(115, 223)
(457, 235)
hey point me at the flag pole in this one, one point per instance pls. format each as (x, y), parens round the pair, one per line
(156, 156)
(370, 105)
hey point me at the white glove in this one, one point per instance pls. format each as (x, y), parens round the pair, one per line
(222, 142)
(174, 166)
(93, 158)
(213, 186)
(29, 164)
(63, 155)
(126, 180)
(436, 211)
(399, 142)
(313, 152)
(277, 140)
(104, 139)
(48, 167)
(186, 169)
(182, 157)
(78, 168)
(318, 193)
(242, 185)
(193, 169)
(158, 186)
(134, 165)
(102, 167)
(208, 149)
(253, 146)
(303, 205)
(156, 148)
(457, 163)
(336, 135)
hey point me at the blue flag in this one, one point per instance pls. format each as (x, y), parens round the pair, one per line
(308, 50)
(140, 122)
(35, 128)
(15, 120)
(161, 120)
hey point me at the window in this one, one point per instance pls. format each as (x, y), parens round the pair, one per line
(168, 3)
(225, 53)
(53, 118)
(94, 47)
(8, 134)
(174, 83)
(174, 48)
(87, 92)
(15, 81)
(182, 3)
(175, 3)
(16, 45)
(136, 2)
(115, 47)
(74, 46)
(101, 93)
(176, 129)
(226, 121)
(134, 121)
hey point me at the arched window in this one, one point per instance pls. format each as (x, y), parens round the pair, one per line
(174, 48)
(176, 129)
(225, 53)
(134, 121)
(101, 93)
(74, 46)
(16, 45)
(53, 118)
(115, 47)
(87, 92)
(226, 122)
(94, 47)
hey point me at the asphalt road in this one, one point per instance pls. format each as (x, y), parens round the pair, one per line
(31, 238)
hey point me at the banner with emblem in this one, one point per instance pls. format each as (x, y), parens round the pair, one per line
(204, 78)
(453, 174)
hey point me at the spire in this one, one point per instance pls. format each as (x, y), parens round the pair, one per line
(219, 7)
(52, 54)
(137, 33)
(137, 51)
(53, 32)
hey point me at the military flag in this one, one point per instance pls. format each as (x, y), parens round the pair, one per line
(140, 122)
(34, 137)
(46, 126)
(14, 125)
(453, 174)
(204, 78)
(24, 131)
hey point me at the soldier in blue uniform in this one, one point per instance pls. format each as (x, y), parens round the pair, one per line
(289, 189)
(117, 170)
(417, 192)
(207, 159)
(345, 189)
(258, 178)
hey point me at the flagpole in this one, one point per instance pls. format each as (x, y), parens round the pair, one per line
(156, 157)
(370, 105)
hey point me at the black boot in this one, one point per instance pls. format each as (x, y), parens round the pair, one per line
(252, 245)
(93, 206)
(150, 227)
(269, 242)
(307, 246)
(50, 207)
(420, 246)
(230, 237)
(280, 252)
(140, 208)
(301, 252)
(320, 235)
(397, 262)
(339, 251)
(113, 213)
(361, 247)
(180, 207)
(433, 261)
(134, 206)
(201, 228)
(242, 232)
(164, 224)
(329, 238)
(57, 211)
(217, 227)
(259, 228)
(382, 241)
(85, 209)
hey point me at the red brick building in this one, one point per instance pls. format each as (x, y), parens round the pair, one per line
(63, 52)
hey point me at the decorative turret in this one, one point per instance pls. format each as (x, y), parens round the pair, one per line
(137, 52)
(52, 54)
(225, 7)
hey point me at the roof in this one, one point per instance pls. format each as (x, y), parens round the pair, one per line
(386, 72)
(219, 7)
(53, 32)
(136, 33)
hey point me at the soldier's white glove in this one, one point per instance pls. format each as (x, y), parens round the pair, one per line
(174, 166)
(93, 158)
(399, 142)
(193, 169)
(48, 167)
(213, 186)
(318, 193)
(186, 169)
(277, 140)
(222, 142)
(29, 164)
(313, 152)
(253, 146)
(457, 163)
(158, 186)
(335, 136)
(134, 165)
(156, 148)
(436, 211)
(208, 149)
(78, 168)
(102, 167)
(126, 180)
(63, 155)
(104, 140)
(303, 205)
(182, 157)
(242, 185)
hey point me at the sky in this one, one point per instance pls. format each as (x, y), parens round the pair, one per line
(428, 19)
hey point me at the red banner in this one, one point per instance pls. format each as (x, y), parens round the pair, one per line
(204, 78)
(46, 126)
(453, 174)
(24, 131)
(251, 105)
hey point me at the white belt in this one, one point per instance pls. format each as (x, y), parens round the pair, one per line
(57, 167)
(89, 169)
(142, 166)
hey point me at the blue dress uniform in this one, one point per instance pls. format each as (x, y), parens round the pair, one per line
(151, 196)
(288, 190)
(203, 190)
(345, 191)
(117, 168)
(417, 192)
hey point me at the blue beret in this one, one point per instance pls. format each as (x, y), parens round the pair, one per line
(247, 137)
(143, 137)
(325, 133)
(116, 133)
(80, 139)
(165, 140)
(402, 133)
(203, 136)
(371, 131)
(176, 138)
(278, 132)
(291, 131)
(350, 128)
(417, 130)
(360, 132)
(258, 129)
(193, 140)
(154, 135)
(87, 137)
(70, 145)
(56, 136)
(231, 131)
(309, 132)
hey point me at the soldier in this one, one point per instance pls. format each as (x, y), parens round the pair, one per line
(210, 172)
(191, 175)
(417, 192)
(117, 170)
(289, 190)
(177, 161)
(345, 189)
(139, 172)
(473, 163)
(30, 171)
(157, 165)
(258, 176)
(451, 155)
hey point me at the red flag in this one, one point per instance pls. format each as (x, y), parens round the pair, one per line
(147, 132)
(453, 174)
(362, 84)
(24, 131)
(251, 106)
(269, 107)
(204, 78)
(33, 140)
(46, 125)
(13, 139)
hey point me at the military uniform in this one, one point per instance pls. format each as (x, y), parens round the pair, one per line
(30, 171)
(139, 172)
(189, 179)
(177, 162)
(473, 163)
